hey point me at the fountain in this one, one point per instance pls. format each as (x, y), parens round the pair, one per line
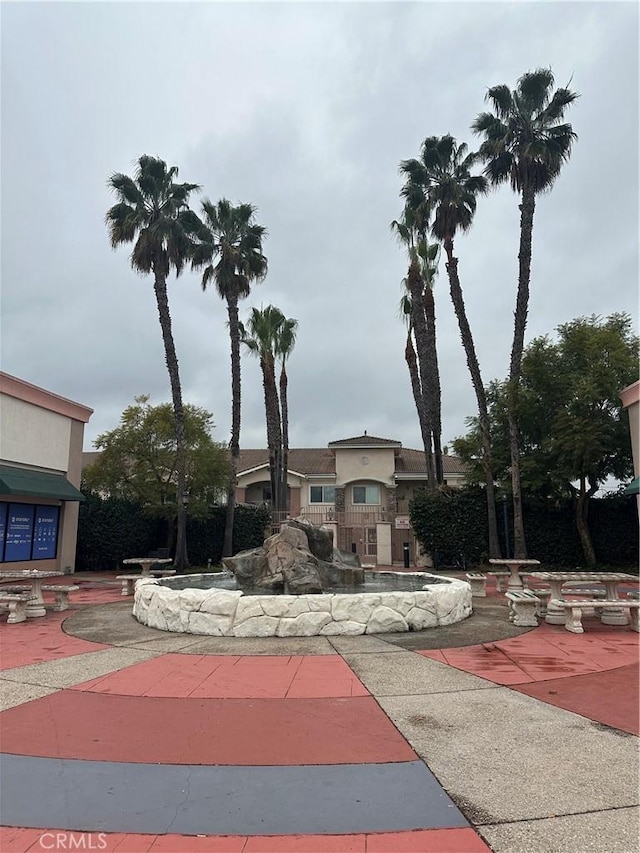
(298, 585)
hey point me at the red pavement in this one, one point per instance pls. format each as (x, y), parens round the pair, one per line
(325, 711)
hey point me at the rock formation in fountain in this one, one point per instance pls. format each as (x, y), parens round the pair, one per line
(300, 559)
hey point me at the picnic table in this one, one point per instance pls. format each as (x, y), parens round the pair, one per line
(146, 563)
(34, 579)
(610, 580)
(514, 567)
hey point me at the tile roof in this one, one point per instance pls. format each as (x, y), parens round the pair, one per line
(321, 461)
(365, 439)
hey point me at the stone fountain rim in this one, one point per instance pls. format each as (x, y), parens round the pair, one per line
(247, 617)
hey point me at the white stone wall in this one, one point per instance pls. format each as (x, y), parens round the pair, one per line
(226, 613)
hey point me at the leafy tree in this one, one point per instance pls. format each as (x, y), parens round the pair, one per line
(270, 335)
(418, 309)
(153, 213)
(441, 190)
(139, 458)
(230, 252)
(574, 431)
(525, 142)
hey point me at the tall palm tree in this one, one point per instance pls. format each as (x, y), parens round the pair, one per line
(440, 188)
(284, 343)
(230, 252)
(260, 336)
(418, 307)
(152, 212)
(525, 142)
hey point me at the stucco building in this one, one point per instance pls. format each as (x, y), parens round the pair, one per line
(359, 487)
(41, 437)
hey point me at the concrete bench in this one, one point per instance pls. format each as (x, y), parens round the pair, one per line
(478, 583)
(62, 594)
(543, 595)
(523, 607)
(573, 610)
(17, 604)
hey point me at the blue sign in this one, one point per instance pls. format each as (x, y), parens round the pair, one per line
(45, 532)
(3, 526)
(19, 532)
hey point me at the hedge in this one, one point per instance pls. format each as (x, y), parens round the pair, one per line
(452, 526)
(111, 530)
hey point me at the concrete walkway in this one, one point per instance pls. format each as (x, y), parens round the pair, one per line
(475, 737)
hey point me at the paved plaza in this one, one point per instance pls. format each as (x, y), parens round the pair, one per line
(474, 737)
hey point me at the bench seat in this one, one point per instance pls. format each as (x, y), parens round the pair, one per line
(17, 604)
(61, 593)
(523, 608)
(573, 610)
(478, 583)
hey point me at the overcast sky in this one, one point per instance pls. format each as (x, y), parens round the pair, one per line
(304, 110)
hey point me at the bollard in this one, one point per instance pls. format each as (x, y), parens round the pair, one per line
(405, 554)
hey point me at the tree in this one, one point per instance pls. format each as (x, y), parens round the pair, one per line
(441, 189)
(270, 335)
(153, 213)
(284, 344)
(418, 309)
(574, 432)
(230, 252)
(139, 458)
(525, 142)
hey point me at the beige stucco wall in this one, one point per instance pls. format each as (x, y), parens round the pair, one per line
(31, 435)
(365, 463)
(630, 397)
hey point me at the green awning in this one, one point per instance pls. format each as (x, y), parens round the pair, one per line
(36, 484)
(633, 488)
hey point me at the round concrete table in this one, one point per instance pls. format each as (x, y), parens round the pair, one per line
(514, 566)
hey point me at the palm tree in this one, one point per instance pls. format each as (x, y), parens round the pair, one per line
(418, 308)
(153, 213)
(440, 185)
(525, 142)
(260, 338)
(284, 343)
(230, 251)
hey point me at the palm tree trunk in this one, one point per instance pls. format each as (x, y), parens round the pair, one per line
(160, 287)
(527, 210)
(234, 444)
(284, 406)
(481, 398)
(434, 394)
(416, 387)
(416, 286)
(274, 430)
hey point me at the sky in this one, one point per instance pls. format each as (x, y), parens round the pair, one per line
(305, 111)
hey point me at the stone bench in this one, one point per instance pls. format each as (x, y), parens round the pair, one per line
(62, 594)
(17, 604)
(573, 610)
(543, 595)
(523, 607)
(478, 583)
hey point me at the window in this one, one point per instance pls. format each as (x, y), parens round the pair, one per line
(322, 495)
(366, 494)
(28, 532)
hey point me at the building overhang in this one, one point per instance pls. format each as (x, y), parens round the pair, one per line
(24, 482)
